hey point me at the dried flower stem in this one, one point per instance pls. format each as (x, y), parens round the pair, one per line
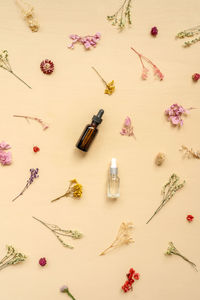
(5, 64)
(99, 75)
(172, 250)
(157, 72)
(74, 190)
(11, 258)
(123, 237)
(190, 152)
(45, 126)
(57, 231)
(189, 33)
(122, 15)
(28, 14)
(110, 88)
(172, 187)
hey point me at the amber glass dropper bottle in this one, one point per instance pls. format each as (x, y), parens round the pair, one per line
(89, 132)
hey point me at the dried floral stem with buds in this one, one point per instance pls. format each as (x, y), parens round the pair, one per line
(145, 71)
(44, 125)
(168, 191)
(28, 14)
(189, 33)
(172, 250)
(122, 16)
(123, 237)
(57, 231)
(74, 191)
(12, 257)
(189, 153)
(5, 64)
(110, 87)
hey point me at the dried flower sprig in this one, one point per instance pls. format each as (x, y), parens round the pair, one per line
(65, 289)
(87, 41)
(12, 257)
(5, 157)
(28, 14)
(123, 237)
(33, 175)
(122, 16)
(75, 191)
(189, 33)
(127, 128)
(57, 231)
(44, 125)
(172, 250)
(168, 191)
(110, 87)
(189, 153)
(5, 64)
(128, 285)
(145, 71)
(175, 112)
(160, 158)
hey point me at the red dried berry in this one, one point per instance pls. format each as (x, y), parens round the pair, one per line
(189, 218)
(47, 66)
(36, 149)
(137, 276)
(154, 31)
(195, 76)
(42, 261)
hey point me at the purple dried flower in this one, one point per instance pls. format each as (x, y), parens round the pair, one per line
(64, 289)
(33, 175)
(87, 41)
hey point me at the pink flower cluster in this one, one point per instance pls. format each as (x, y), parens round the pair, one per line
(127, 128)
(5, 157)
(87, 41)
(174, 113)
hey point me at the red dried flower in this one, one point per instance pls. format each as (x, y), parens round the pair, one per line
(36, 149)
(154, 31)
(47, 66)
(42, 261)
(195, 76)
(189, 218)
(137, 276)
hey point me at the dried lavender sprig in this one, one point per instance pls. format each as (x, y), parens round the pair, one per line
(173, 250)
(11, 258)
(57, 231)
(172, 186)
(5, 64)
(33, 175)
(44, 125)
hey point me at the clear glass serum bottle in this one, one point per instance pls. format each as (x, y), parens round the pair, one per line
(113, 180)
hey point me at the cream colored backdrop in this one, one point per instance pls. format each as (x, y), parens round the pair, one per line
(67, 100)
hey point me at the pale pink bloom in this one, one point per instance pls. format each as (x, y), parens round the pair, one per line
(4, 146)
(127, 128)
(5, 158)
(175, 112)
(87, 41)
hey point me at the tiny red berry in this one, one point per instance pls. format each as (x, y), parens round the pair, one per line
(195, 76)
(189, 218)
(154, 31)
(42, 261)
(36, 149)
(137, 276)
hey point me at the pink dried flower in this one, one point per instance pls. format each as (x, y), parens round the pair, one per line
(42, 261)
(4, 146)
(174, 113)
(5, 158)
(44, 125)
(157, 72)
(87, 41)
(47, 66)
(195, 76)
(127, 128)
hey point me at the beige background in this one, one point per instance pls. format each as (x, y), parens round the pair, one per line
(67, 100)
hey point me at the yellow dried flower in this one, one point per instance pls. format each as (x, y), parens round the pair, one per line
(110, 88)
(75, 190)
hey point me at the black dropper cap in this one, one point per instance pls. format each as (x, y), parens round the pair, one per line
(97, 118)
